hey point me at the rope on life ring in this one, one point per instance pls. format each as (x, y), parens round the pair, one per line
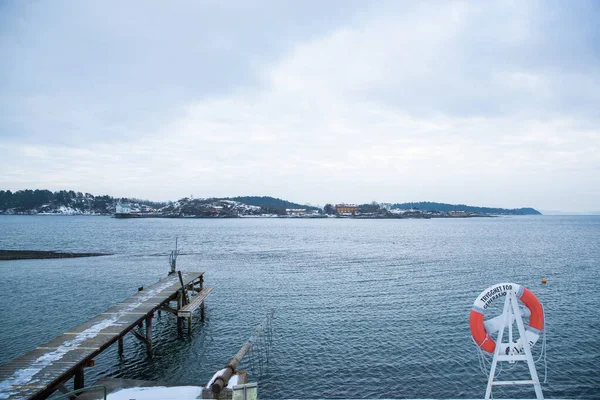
(536, 320)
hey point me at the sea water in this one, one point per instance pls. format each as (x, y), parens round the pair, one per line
(363, 308)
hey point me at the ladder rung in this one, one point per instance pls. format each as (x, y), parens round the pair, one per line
(515, 382)
(516, 357)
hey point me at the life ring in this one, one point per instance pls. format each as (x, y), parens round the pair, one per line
(536, 320)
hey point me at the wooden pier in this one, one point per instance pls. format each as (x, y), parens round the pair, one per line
(41, 372)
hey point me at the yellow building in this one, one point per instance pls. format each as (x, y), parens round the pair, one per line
(346, 208)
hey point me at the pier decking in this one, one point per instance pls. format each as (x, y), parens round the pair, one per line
(39, 373)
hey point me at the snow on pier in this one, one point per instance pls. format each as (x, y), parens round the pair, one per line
(37, 374)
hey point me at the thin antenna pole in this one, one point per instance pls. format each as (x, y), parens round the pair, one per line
(173, 258)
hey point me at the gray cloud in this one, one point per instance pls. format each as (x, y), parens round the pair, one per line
(491, 103)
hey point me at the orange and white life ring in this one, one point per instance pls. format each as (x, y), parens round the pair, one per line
(536, 320)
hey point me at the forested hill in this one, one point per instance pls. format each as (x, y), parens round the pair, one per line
(426, 205)
(64, 201)
(269, 203)
(71, 202)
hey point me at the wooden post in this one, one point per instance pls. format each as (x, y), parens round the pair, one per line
(179, 320)
(186, 300)
(149, 334)
(79, 381)
(121, 346)
(189, 325)
(139, 290)
(202, 312)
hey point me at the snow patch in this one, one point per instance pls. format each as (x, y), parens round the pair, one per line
(234, 380)
(158, 393)
(215, 376)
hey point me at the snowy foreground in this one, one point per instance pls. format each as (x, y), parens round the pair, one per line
(158, 393)
(161, 393)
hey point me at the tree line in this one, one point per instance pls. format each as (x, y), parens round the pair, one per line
(42, 200)
(444, 207)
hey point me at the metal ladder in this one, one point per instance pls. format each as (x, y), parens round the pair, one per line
(511, 310)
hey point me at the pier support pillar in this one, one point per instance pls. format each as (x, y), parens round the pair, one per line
(79, 381)
(149, 335)
(202, 312)
(179, 320)
(121, 346)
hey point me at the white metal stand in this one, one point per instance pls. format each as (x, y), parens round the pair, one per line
(511, 310)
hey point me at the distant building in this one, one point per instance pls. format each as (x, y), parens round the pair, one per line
(295, 211)
(458, 213)
(123, 208)
(346, 208)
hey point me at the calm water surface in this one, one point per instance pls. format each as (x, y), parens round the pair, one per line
(363, 308)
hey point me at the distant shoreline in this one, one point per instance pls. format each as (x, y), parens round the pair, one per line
(9, 255)
(273, 216)
(76, 203)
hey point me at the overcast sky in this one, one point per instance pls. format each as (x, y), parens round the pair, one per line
(492, 103)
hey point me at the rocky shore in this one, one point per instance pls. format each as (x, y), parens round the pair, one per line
(38, 255)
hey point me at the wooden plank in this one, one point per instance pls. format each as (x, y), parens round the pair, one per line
(140, 336)
(195, 302)
(168, 309)
(154, 299)
(134, 308)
